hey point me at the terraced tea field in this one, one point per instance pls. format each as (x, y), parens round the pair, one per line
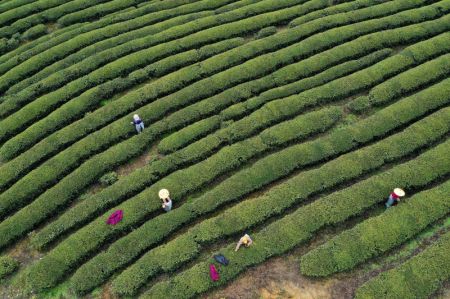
(289, 120)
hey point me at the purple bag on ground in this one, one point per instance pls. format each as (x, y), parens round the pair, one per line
(213, 272)
(115, 217)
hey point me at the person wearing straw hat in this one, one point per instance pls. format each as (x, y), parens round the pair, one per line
(245, 240)
(138, 123)
(394, 197)
(167, 202)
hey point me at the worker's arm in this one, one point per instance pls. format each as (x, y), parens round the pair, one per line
(238, 245)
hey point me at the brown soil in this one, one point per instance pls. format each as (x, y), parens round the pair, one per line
(138, 162)
(23, 253)
(106, 292)
(95, 188)
(280, 278)
(128, 168)
(282, 28)
(443, 293)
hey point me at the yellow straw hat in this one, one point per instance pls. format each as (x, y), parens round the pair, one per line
(399, 192)
(163, 193)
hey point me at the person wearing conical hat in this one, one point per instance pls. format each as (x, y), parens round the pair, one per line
(165, 197)
(394, 197)
(245, 240)
(138, 123)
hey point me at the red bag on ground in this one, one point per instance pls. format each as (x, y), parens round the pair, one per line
(213, 272)
(115, 217)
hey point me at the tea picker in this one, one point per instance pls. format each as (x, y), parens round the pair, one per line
(165, 197)
(394, 197)
(138, 123)
(245, 240)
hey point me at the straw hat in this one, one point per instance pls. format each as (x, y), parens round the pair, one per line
(163, 193)
(136, 117)
(399, 192)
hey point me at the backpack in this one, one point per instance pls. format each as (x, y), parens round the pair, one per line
(220, 258)
(213, 272)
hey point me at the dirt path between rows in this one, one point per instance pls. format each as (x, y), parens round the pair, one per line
(281, 278)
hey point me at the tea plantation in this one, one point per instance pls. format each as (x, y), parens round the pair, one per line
(276, 118)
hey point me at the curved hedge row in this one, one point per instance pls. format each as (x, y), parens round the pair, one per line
(14, 72)
(76, 65)
(81, 54)
(188, 179)
(133, 45)
(128, 100)
(391, 229)
(335, 9)
(7, 5)
(22, 11)
(248, 104)
(18, 48)
(53, 14)
(419, 277)
(188, 134)
(264, 13)
(17, 166)
(7, 45)
(435, 70)
(199, 129)
(83, 176)
(273, 167)
(91, 100)
(203, 127)
(28, 97)
(97, 11)
(11, 59)
(7, 266)
(138, 180)
(152, 232)
(418, 77)
(234, 5)
(205, 89)
(34, 32)
(296, 228)
(48, 42)
(51, 193)
(327, 58)
(46, 16)
(43, 105)
(11, 148)
(27, 90)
